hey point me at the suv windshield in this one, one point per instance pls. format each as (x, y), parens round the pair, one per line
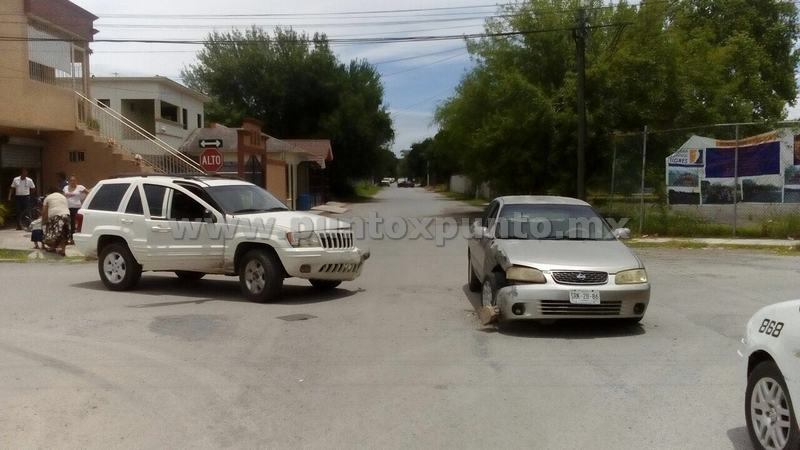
(553, 222)
(245, 199)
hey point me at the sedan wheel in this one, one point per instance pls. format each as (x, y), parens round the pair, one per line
(769, 410)
(488, 293)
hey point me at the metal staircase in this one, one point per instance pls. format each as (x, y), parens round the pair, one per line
(140, 144)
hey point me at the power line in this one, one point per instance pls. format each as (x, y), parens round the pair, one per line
(377, 40)
(433, 63)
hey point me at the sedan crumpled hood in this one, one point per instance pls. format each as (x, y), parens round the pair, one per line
(604, 256)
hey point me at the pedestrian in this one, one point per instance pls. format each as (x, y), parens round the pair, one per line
(21, 188)
(37, 235)
(55, 217)
(75, 194)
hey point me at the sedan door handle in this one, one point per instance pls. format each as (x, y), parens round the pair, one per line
(161, 229)
(126, 221)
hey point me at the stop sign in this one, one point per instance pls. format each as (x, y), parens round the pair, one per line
(211, 160)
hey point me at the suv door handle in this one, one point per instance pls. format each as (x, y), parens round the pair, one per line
(126, 221)
(158, 229)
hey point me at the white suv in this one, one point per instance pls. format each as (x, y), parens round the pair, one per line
(207, 225)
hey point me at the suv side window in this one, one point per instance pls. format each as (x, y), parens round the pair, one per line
(155, 196)
(108, 196)
(184, 207)
(135, 203)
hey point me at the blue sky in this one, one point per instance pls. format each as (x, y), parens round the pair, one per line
(414, 87)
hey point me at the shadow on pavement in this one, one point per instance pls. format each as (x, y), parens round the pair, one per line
(739, 438)
(564, 329)
(210, 290)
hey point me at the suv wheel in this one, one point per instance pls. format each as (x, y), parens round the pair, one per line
(118, 269)
(260, 276)
(768, 409)
(325, 285)
(189, 276)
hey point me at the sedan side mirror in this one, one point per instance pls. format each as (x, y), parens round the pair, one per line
(622, 233)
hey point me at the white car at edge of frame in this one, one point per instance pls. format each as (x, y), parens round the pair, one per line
(772, 348)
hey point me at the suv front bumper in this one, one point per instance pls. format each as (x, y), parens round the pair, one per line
(322, 264)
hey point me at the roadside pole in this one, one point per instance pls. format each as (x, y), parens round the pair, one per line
(641, 193)
(579, 34)
(613, 170)
(736, 183)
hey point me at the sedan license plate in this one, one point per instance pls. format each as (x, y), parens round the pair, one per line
(584, 297)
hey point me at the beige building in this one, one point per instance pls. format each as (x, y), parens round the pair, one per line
(49, 122)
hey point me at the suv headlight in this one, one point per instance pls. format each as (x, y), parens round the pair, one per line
(635, 276)
(525, 275)
(303, 239)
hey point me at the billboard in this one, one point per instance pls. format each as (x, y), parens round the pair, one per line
(762, 169)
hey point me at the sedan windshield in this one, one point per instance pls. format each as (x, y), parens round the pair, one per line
(551, 222)
(245, 199)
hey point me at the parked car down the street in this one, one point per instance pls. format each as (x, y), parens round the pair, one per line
(208, 225)
(771, 346)
(542, 257)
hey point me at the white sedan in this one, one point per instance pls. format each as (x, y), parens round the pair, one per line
(772, 349)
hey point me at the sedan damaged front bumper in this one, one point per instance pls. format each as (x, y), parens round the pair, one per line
(552, 301)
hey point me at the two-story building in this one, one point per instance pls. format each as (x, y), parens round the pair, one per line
(161, 106)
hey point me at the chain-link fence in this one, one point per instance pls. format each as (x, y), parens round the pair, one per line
(723, 180)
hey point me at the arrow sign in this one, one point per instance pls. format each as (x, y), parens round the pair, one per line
(210, 143)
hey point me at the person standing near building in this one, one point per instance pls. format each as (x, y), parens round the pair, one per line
(21, 188)
(75, 194)
(62, 180)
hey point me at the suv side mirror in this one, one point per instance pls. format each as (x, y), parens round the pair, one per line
(480, 232)
(209, 217)
(622, 233)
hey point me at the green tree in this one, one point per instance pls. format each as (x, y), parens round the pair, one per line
(295, 85)
(665, 64)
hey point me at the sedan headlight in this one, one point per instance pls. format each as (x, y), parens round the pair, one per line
(525, 275)
(635, 276)
(303, 239)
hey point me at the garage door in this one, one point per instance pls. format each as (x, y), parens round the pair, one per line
(20, 156)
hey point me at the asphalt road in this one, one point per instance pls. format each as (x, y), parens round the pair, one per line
(396, 359)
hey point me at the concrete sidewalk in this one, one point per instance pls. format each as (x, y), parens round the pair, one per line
(11, 239)
(719, 241)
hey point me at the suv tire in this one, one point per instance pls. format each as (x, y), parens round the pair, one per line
(260, 276)
(189, 276)
(325, 285)
(118, 269)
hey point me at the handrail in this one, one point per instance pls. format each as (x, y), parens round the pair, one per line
(160, 144)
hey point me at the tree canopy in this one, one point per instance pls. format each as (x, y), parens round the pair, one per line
(513, 120)
(296, 85)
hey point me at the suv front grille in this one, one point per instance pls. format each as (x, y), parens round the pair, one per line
(565, 308)
(336, 239)
(578, 277)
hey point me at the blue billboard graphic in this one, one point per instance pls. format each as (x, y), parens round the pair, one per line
(754, 160)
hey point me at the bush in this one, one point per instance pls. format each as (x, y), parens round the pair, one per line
(5, 213)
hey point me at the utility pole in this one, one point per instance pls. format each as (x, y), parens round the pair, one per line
(579, 34)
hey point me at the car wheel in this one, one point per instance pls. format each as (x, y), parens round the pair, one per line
(325, 285)
(260, 276)
(189, 276)
(489, 291)
(474, 282)
(769, 411)
(118, 269)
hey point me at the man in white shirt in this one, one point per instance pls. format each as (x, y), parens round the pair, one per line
(21, 188)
